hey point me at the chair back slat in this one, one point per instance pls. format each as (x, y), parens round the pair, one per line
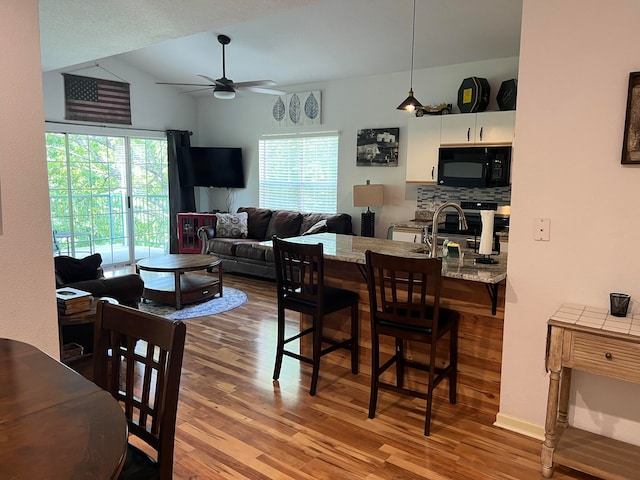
(299, 271)
(404, 290)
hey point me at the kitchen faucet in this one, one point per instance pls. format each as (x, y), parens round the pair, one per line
(462, 225)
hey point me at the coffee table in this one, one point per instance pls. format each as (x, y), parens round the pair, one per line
(181, 287)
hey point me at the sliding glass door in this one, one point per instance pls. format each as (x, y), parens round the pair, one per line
(108, 195)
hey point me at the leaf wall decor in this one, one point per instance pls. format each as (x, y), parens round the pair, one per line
(297, 109)
(294, 109)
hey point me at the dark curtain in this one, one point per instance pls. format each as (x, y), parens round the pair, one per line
(181, 199)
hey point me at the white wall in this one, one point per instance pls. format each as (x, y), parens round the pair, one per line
(575, 60)
(27, 282)
(347, 105)
(153, 107)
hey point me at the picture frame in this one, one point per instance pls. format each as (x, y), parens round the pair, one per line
(631, 142)
(378, 147)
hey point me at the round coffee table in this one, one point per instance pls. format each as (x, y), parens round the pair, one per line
(182, 287)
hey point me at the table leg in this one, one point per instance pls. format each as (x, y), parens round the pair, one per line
(550, 434)
(178, 291)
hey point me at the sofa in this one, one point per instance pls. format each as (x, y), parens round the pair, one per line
(87, 274)
(233, 236)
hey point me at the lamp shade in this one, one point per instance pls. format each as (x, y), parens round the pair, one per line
(368, 195)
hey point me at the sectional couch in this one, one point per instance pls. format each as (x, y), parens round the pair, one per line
(234, 236)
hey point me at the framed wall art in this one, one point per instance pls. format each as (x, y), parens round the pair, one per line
(631, 143)
(378, 147)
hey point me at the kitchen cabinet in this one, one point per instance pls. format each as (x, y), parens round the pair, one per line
(591, 340)
(422, 149)
(490, 128)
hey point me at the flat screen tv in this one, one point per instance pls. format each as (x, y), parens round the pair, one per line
(210, 167)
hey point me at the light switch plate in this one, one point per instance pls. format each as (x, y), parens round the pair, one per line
(541, 227)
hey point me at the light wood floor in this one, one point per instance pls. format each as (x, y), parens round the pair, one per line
(234, 422)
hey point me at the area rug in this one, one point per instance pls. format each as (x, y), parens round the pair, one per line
(231, 298)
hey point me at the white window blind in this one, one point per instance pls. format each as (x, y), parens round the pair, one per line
(299, 172)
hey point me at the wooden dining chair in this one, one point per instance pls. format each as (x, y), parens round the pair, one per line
(138, 359)
(300, 286)
(404, 301)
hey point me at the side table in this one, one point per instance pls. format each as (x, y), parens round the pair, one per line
(76, 332)
(588, 339)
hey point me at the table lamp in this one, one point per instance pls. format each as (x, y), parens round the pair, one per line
(368, 196)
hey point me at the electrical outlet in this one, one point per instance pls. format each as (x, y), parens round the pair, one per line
(541, 228)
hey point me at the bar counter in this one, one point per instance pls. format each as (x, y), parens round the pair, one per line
(350, 249)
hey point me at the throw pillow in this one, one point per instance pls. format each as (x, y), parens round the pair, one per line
(232, 225)
(71, 269)
(319, 227)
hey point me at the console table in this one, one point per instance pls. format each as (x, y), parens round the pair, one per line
(592, 340)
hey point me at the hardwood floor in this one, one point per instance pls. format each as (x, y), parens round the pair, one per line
(234, 422)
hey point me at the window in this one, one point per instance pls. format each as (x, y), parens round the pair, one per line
(299, 172)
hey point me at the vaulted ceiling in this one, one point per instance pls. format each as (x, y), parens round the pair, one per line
(289, 41)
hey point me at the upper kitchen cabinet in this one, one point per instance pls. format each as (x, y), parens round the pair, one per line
(493, 128)
(422, 148)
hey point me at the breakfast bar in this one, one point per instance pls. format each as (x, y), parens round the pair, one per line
(350, 249)
(464, 288)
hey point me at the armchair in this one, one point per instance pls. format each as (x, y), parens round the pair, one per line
(87, 274)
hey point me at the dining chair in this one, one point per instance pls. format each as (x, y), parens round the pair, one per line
(138, 359)
(301, 288)
(404, 301)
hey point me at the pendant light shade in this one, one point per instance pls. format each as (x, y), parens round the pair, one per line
(411, 103)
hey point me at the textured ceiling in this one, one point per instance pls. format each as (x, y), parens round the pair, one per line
(289, 41)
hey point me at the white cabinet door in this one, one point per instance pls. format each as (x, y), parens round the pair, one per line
(458, 129)
(478, 128)
(422, 148)
(495, 127)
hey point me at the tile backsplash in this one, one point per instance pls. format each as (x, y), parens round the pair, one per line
(431, 196)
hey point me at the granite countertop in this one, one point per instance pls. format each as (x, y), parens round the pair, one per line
(350, 248)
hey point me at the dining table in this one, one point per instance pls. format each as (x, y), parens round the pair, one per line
(54, 423)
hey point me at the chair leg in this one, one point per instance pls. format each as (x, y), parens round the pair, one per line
(399, 362)
(317, 349)
(453, 361)
(280, 344)
(432, 374)
(354, 339)
(375, 367)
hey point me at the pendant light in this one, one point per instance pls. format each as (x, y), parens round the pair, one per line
(410, 104)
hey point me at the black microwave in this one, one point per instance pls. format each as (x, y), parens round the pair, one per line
(474, 166)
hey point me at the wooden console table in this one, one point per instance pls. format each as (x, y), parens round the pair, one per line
(591, 340)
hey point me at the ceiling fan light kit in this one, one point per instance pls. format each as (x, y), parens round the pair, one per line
(224, 93)
(411, 103)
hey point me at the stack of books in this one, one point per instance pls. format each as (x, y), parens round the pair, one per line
(72, 300)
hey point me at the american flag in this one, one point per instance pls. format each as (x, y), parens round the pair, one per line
(96, 100)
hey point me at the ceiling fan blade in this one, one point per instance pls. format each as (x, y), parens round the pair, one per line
(256, 83)
(185, 84)
(212, 80)
(197, 90)
(268, 91)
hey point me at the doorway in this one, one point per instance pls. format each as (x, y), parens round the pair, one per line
(108, 195)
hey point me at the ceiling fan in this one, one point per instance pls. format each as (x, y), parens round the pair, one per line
(225, 88)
